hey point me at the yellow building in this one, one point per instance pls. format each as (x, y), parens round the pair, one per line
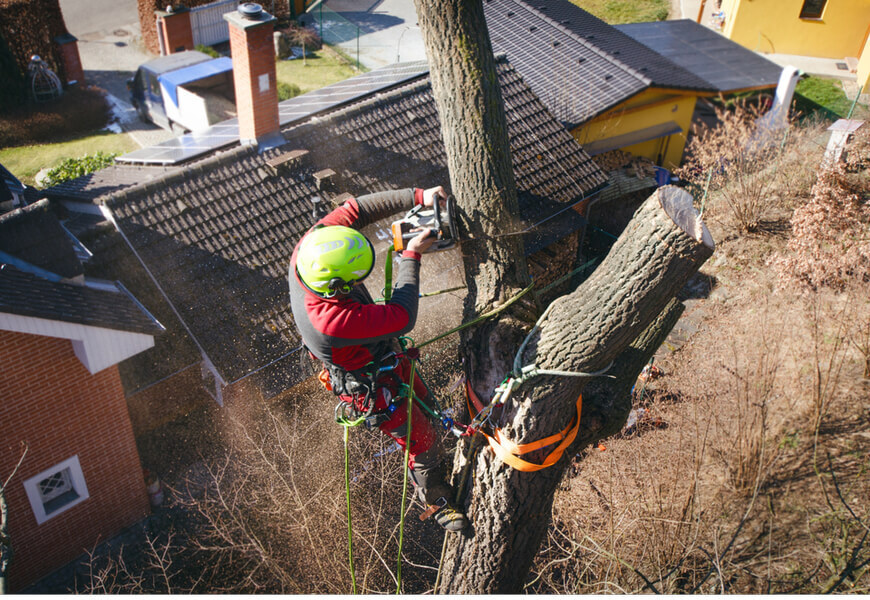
(823, 28)
(653, 124)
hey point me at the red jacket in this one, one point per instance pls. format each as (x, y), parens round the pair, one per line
(350, 330)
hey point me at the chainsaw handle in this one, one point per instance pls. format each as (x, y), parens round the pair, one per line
(413, 234)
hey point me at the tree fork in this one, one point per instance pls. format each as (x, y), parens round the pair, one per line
(587, 330)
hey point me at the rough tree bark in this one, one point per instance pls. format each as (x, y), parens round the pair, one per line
(473, 125)
(617, 316)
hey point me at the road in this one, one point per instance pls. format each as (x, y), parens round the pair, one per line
(85, 18)
(111, 50)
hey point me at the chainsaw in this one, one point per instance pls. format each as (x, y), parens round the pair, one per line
(441, 221)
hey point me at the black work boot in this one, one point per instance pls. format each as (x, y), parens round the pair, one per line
(434, 491)
(448, 516)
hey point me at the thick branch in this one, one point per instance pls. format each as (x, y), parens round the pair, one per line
(585, 331)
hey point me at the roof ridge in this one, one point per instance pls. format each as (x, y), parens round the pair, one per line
(593, 47)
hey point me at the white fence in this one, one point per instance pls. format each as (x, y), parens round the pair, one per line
(208, 24)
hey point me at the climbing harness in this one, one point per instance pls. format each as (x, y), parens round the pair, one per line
(509, 452)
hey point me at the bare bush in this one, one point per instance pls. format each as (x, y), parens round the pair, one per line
(739, 164)
(830, 245)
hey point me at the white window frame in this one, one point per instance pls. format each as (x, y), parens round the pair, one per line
(77, 481)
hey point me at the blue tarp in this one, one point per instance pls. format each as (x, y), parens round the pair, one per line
(173, 79)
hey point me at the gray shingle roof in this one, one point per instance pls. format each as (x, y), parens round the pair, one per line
(25, 294)
(34, 235)
(105, 181)
(218, 234)
(728, 66)
(576, 63)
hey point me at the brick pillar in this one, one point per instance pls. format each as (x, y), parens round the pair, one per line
(69, 56)
(253, 53)
(177, 32)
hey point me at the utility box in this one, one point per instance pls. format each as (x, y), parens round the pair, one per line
(186, 91)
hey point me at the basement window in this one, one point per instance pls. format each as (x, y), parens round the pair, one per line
(56, 490)
(813, 9)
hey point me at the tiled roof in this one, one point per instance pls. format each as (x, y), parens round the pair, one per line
(576, 63)
(105, 181)
(25, 294)
(34, 235)
(218, 235)
(728, 66)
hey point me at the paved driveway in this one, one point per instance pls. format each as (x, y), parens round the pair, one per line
(110, 46)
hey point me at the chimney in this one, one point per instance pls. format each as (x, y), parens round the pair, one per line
(253, 53)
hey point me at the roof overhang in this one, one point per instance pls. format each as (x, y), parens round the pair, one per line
(631, 138)
(96, 347)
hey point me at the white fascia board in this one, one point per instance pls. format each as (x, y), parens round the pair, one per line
(96, 347)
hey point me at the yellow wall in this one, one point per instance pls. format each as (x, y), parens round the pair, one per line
(864, 68)
(650, 108)
(775, 26)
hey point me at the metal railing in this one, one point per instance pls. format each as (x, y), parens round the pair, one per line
(334, 29)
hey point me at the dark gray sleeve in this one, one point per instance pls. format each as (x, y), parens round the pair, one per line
(406, 292)
(377, 206)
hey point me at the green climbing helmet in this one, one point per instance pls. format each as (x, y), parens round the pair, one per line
(332, 258)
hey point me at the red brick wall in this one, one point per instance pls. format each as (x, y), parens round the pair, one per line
(177, 34)
(49, 400)
(253, 52)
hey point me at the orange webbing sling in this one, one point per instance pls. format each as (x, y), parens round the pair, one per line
(510, 452)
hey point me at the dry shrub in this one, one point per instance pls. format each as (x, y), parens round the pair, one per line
(745, 169)
(78, 110)
(801, 154)
(830, 246)
(684, 508)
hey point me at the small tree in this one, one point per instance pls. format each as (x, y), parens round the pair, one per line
(302, 36)
(5, 540)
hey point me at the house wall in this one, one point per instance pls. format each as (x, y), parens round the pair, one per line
(863, 74)
(775, 26)
(650, 108)
(51, 402)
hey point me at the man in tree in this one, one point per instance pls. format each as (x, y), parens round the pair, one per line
(356, 339)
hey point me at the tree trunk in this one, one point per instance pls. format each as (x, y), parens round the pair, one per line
(474, 129)
(587, 330)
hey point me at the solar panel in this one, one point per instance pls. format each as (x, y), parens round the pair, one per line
(725, 64)
(192, 145)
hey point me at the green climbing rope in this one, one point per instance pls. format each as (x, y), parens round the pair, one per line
(405, 478)
(349, 522)
(479, 318)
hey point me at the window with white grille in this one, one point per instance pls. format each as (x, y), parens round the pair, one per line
(56, 489)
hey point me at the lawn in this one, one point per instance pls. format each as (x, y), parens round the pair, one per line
(616, 12)
(26, 161)
(324, 68)
(828, 93)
